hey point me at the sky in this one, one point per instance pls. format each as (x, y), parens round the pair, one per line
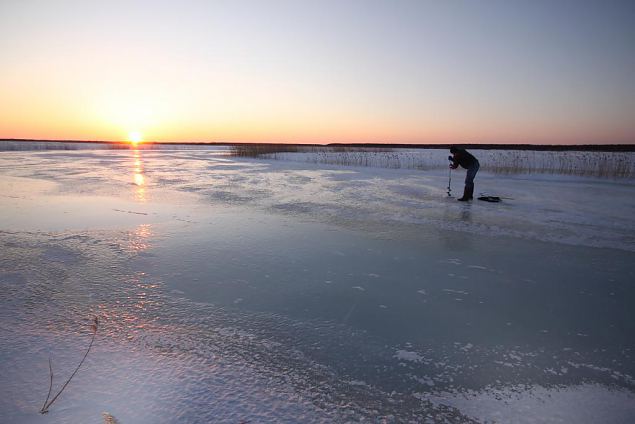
(321, 71)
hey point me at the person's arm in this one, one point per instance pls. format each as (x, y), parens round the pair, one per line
(454, 164)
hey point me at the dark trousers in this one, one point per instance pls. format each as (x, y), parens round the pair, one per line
(469, 177)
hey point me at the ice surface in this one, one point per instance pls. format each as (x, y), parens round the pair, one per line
(268, 291)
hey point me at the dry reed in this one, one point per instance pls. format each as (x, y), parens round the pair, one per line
(47, 404)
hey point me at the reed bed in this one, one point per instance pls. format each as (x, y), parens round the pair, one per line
(588, 164)
(579, 163)
(13, 146)
(258, 150)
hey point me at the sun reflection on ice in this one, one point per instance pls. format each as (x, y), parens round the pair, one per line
(130, 314)
(138, 177)
(139, 240)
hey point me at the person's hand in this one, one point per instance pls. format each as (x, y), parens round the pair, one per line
(453, 166)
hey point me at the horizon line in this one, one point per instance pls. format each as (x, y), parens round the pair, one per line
(624, 147)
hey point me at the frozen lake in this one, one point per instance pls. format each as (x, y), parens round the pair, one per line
(263, 291)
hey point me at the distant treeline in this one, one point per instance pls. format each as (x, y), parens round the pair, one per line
(481, 146)
(111, 142)
(293, 147)
(282, 147)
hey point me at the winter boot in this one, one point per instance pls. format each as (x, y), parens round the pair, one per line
(467, 194)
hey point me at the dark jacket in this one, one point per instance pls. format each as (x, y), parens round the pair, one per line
(464, 158)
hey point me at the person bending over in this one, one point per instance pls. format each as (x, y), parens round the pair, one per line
(466, 160)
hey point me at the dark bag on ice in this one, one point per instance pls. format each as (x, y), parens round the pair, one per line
(493, 199)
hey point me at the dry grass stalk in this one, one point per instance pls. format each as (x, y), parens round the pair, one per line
(47, 403)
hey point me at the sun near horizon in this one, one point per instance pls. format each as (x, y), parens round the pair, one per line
(135, 137)
(257, 71)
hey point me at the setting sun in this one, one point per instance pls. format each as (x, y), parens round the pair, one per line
(135, 137)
